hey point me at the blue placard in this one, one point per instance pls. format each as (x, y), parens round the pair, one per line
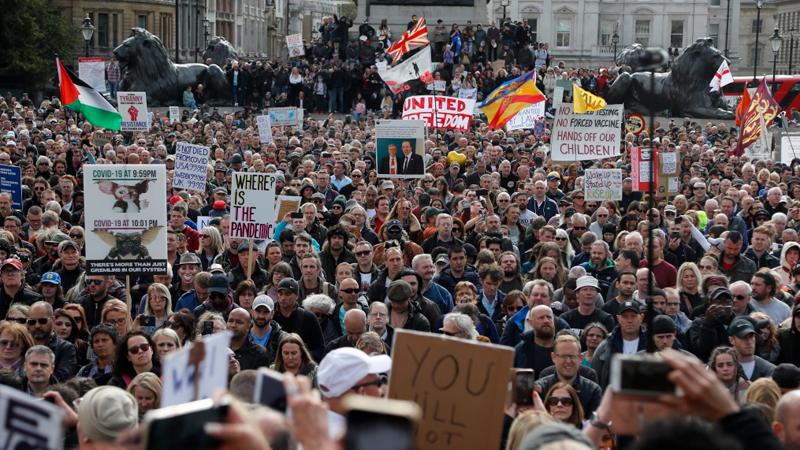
(11, 181)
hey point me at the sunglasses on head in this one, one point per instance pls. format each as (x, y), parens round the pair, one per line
(138, 348)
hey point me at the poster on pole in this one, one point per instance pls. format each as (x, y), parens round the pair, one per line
(440, 111)
(11, 182)
(92, 70)
(295, 44)
(399, 147)
(602, 184)
(174, 114)
(526, 118)
(668, 175)
(126, 220)
(27, 422)
(640, 169)
(585, 137)
(288, 116)
(264, 129)
(191, 167)
(451, 379)
(253, 211)
(133, 108)
(179, 374)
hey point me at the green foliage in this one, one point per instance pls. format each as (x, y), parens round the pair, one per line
(33, 31)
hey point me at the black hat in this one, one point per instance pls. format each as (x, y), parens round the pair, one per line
(218, 283)
(288, 284)
(742, 326)
(630, 306)
(663, 324)
(786, 376)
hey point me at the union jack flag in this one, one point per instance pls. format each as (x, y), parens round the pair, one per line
(411, 39)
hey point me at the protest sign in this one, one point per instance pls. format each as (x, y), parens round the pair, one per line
(133, 108)
(253, 212)
(634, 123)
(526, 118)
(295, 44)
(668, 174)
(289, 116)
(202, 222)
(92, 71)
(437, 86)
(27, 422)
(790, 147)
(498, 64)
(589, 136)
(602, 184)
(452, 379)
(440, 111)
(179, 374)
(174, 114)
(400, 146)
(11, 182)
(264, 129)
(640, 169)
(126, 221)
(468, 93)
(287, 204)
(191, 167)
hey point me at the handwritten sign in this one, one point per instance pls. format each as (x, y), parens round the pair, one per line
(92, 70)
(295, 44)
(288, 116)
(132, 106)
(584, 137)
(640, 169)
(451, 380)
(468, 93)
(287, 204)
(174, 114)
(440, 112)
(438, 86)
(202, 222)
(526, 118)
(191, 167)
(602, 184)
(264, 129)
(253, 209)
(179, 374)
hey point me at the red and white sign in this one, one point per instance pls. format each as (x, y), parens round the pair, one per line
(640, 169)
(440, 111)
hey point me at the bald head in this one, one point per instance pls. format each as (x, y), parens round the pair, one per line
(355, 324)
(787, 420)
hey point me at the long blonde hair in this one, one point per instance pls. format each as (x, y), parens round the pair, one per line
(524, 424)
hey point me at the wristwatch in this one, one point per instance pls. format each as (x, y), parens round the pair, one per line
(597, 423)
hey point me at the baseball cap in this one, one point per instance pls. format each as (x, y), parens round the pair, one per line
(743, 326)
(244, 246)
(587, 281)
(175, 199)
(553, 176)
(170, 158)
(236, 159)
(399, 291)
(216, 268)
(342, 368)
(218, 283)
(14, 262)
(670, 208)
(218, 204)
(105, 412)
(394, 223)
(264, 300)
(189, 258)
(288, 284)
(51, 278)
(221, 190)
(57, 238)
(442, 259)
(68, 243)
(718, 292)
(627, 306)
(387, 185)
(319, 195)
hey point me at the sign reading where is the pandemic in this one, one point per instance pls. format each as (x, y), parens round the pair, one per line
(440, 111)
(27, 422)
(126, 221)
(191, 167)
(133, 108)
(253, 210)
(589, 136)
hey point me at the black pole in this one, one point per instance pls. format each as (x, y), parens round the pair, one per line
(727, 24)
(615, 53)
(755, 55)
(177, 33)
(791, 49)
(651, 204)
(774, 67)
(87, 48)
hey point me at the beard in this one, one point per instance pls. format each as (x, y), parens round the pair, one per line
(545, 332)
(509, 273)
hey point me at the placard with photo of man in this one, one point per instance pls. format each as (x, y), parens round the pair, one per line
(400, 148)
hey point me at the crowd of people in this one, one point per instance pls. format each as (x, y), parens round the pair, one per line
(495, 243)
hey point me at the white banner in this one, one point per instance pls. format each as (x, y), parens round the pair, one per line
(602, 184)
(583, 137)
(790, 147)
(288, 116)
(468, 93)
(526, 118)
(174, 114)
(191, 167)
(178, 374)
(264, 129)
(399, 148)
(417, 66)
(437, 86)
(295, 44)
(253, 205)
(92, 70)
(440, 111)
(133, 108)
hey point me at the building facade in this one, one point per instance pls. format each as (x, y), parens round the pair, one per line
(783, 14)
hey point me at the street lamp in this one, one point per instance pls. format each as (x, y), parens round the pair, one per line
(776, 40)
(759, 4)
(615, 41)
(791, 48)
(205, 30)
(87, 28)
(505, 4)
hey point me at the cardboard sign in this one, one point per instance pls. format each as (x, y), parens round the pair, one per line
(264, 129)
(526, 118)
(440, 111)
(460, 385)
(178, 374)
(399, 148)
(92, 70)
(174, 114)
(11, 181)
(640, 169)
(585, 137)
(668, 174)
(287, 204)
(126, 220)
(289, 116)
(602, 184)
(133, 108)
(27, 422)
(295, 44)
(191, 167)
(253, 212)
(498, 64)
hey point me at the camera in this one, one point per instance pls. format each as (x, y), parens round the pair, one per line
(641, 375)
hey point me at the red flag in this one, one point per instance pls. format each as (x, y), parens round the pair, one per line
(742, 106)
(762, 105)
(411, 39)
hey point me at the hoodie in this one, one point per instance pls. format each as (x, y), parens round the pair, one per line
(783, 271)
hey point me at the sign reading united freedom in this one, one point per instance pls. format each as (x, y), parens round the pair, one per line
(440, 111)
(589, 136)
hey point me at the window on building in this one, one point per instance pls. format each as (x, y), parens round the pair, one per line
(676, 34)
(715, 2)
(756, 26)
(533, 22)
(641, 29)
(114, 30)
(165, 29)
(102, 30)
(713, 33)
(606, 31)
(141, 21)
(753, 58)
(563, 30)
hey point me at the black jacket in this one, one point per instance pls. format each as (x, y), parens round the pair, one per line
(25, 296)
(251, 355)
(306, 325)
(588, 391)
(703, 339)
(66, 359)
(329, 262)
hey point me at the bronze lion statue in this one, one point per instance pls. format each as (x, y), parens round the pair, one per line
(684, 91)
(218, 50)
(145, 66)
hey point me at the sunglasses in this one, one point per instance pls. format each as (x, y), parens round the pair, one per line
(76, 236)
(579, 228)
(349, 291)
(7, 343)
(19, 320)
(364, 253)
(565, 401)
(706, 267)
(139, 348)
(561, 239)
(94, 282)
(382, 381)
(40, 321)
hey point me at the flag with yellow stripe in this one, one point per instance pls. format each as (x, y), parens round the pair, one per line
(584, 101)
(510, 98)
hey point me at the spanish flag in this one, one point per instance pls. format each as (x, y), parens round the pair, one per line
(584, 101)
(510, 98)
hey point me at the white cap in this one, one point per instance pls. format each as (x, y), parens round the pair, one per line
(216, 268)
(342, 368)
(586, 281)
(264, 300)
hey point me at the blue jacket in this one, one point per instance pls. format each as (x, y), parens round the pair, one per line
(447, 281)
(548, 209)
(440, 296)
(515, 326)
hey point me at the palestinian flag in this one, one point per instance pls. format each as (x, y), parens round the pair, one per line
(79, 96)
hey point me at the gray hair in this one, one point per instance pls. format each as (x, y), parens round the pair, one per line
(321, 302)
(418, 259)
(464, 323)
(41, 350)
(741, 284)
